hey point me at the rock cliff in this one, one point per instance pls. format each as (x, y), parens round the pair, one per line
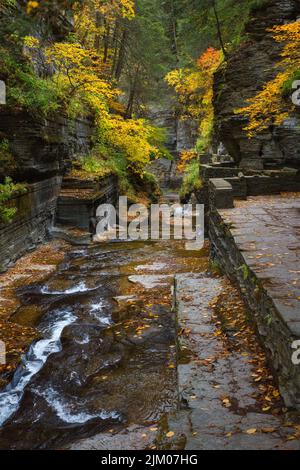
(246, 71)
(42, 148)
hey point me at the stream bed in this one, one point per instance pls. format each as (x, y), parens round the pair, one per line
(106, 356)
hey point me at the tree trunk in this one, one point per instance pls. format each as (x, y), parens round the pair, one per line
(121, 56)
(133, 89)
(219, 29)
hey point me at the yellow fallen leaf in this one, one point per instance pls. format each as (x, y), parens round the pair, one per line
(251, 431)
(170, 434)
(226, 402)
(268, 430)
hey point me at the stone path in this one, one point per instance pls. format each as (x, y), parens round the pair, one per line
(216, 386)
(266, 230)
(257, 243)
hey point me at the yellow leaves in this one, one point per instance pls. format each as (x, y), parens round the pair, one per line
(32, 5)
(134, 138)
(85, 87)
(31, 42)
(170, 434)
(226, 402)
(194, 87)
(123, 8)
(80, 73)
(268, 107)
(268, 430)
(251, 431)
(185, 157)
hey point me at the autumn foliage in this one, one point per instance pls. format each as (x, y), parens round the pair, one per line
(269, 107)
(83, 77)
(194, 88)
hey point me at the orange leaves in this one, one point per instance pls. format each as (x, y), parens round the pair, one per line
(185, 157)
(238, 333)
(210, 60)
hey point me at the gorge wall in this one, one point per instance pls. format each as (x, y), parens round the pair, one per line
(42, 150)
(241, 78)
(42, 147)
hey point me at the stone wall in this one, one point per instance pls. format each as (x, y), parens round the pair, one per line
(252, 65)
(34, 217)
(79, 199)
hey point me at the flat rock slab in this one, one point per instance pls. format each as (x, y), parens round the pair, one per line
(151, 281)
(208, 375)
(133, 438)
(266, 229)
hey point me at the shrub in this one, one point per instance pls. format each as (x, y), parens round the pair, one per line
(7, 190)
(191, 180)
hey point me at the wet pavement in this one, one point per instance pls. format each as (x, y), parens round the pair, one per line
(266, 229)
(218, 387)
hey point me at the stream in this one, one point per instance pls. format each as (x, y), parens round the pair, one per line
(106, 356)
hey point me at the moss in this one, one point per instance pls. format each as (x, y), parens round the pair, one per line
(191, 180)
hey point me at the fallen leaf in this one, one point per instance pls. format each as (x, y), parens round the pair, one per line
(251, 431)
(268, 430)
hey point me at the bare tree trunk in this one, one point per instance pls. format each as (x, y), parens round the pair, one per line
(174, 30)
(121, 56)
(106, 43)
(133, 89)
(219, 29)
(115, 48)
(97, 40)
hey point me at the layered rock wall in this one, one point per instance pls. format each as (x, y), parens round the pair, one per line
(246, 71)
(34, 217)
(41, 147)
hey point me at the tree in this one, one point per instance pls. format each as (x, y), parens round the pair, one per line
(269, 107)
(194, 87)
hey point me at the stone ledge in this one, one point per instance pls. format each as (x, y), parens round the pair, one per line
(220, 193)
(77, 203)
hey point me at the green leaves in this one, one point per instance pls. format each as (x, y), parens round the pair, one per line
(7, 190)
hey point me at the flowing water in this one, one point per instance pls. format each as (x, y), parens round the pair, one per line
(106, 356)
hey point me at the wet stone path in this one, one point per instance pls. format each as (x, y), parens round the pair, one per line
(228, 396)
